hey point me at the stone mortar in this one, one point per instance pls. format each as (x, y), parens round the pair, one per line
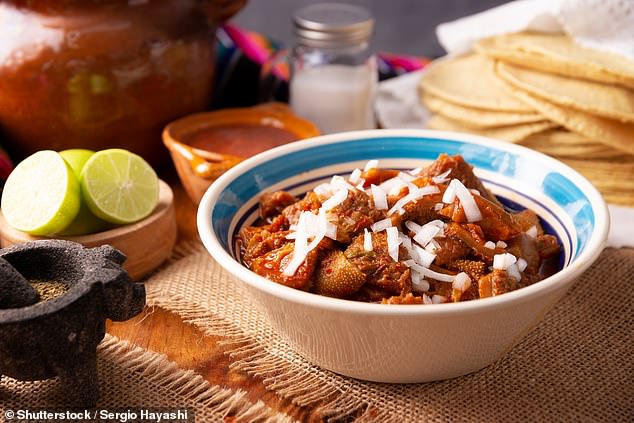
(59, 337)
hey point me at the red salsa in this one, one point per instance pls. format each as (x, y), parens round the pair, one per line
(243, 139)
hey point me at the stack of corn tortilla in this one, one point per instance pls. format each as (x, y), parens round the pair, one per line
(547, 93)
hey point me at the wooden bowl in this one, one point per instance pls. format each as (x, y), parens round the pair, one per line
(197, 168)
(146, 243)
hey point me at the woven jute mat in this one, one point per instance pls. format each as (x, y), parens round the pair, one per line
(133, 379)
(577, 365)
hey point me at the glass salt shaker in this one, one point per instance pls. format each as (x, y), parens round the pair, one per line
(333, 73)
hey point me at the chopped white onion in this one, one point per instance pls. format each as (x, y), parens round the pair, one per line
(503, 261)
(461, 282)
(324, 190)
(415, 277)
(424, 257)
(381, 225)
(471, 210)
(432, 246)
(442, 277)
(418, 283)
(426, 299)
(490, 245)
(371, 164)
(532, 231)
(296, 261)
(355, 176)
(406, 177)
(426, 233)
(450, 193)
(337, 182)
(301, 231)
(338, 198)
(398, 187)
(521, 264)
(329, 229)
(392, 186)
(367, 240)
(309, 225)
(405, 240)
(428, 273)
(437, 222)
(514, 272)
(393, 242)
(300, 248)
(310, 221)
(413, 196)
(413, 226)
(438, 207)
(416, 171)
(442, 178)
(456, 188)
(501, 244)
(379, 196)
(438, 299)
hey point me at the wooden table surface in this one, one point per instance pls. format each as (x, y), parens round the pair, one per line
(164, 332)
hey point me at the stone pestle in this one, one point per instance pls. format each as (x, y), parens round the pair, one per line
(15, 290)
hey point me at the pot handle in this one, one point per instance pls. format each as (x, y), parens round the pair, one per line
(218, 11)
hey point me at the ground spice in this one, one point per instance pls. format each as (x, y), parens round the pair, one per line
(49, 290)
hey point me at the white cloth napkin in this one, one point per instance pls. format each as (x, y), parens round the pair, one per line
(621, 226)
(600, 24)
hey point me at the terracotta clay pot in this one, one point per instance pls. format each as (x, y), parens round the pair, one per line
(104, 73)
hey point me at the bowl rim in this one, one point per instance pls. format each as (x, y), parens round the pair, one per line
(564, 277)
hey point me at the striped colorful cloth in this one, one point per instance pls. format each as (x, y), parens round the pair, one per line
(260, 48)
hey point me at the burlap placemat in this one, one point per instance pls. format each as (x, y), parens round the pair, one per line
(133, 379)
(577, 365)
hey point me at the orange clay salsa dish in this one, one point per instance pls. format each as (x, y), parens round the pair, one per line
(427, 236)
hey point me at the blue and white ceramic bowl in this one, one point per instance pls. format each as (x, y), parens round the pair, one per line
(407, 343)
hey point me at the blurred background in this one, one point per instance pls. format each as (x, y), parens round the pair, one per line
(404, 38)
(402, 26)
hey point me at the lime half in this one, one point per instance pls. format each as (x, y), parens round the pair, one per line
(41, 195)
(76, 158)
(119, 186)
(85, 222)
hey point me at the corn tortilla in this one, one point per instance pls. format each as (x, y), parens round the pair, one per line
(618, 135)
(561, 143)
(469, 81)
(512, 133)
(607, 100)
(613, 180)
(478, 118)
(557, 53)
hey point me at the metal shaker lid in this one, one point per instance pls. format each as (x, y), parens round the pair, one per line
(332, 25)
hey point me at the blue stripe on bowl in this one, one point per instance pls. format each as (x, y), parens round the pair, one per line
(541, 177)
